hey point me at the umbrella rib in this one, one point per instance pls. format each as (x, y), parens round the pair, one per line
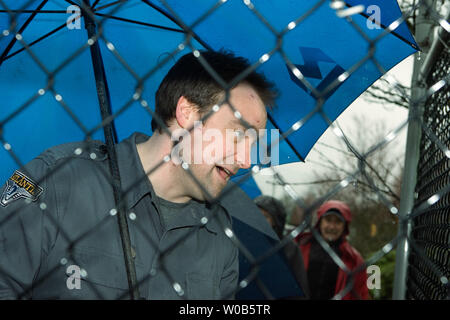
(139, 22)
(34, 11)
(95, 3)
(13, 41)
(196, 37)
(106, 5)
(161, 11)
(34, 42)
(72, 3)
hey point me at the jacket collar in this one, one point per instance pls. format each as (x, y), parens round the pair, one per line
(191, 214)
(134, 181)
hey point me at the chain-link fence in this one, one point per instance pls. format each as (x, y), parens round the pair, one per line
(34, 234)
(430, 231)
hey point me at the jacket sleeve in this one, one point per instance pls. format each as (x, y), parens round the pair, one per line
(229, 280)
(27, 227)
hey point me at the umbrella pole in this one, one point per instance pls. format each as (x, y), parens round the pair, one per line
(111, 139)
(412, 155)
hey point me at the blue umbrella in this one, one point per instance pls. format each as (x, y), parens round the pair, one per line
(294, 39)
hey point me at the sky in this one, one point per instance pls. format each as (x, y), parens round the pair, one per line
(380, 117)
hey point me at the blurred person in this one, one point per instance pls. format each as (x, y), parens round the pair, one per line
(275, 213)
(325, 278)
(297, 217)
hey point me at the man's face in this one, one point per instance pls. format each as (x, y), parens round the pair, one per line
(225, 146)
(331, 227)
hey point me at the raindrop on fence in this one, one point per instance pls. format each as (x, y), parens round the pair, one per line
(344, 183)
(292, 25)
(178, 289)
(447, 153)
(110, 46)
(229, 233)
(83, 273)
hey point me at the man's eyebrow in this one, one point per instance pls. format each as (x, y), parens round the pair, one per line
(237, 122)
(241, 123)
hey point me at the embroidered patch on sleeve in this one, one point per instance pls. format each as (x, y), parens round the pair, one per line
(19, 186)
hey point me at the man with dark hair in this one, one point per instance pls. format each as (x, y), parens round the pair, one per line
(58, 231)
(325, 278)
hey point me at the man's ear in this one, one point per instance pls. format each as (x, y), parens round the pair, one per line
(186, 113)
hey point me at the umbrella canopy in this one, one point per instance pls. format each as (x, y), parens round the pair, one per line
(322, 47)
(49, 94)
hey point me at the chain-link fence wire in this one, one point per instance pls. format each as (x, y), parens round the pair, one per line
(431, 212)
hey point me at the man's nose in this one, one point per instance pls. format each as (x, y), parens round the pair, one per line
(243, 156)
(244, 161)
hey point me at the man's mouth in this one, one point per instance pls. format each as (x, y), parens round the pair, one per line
(224, 173)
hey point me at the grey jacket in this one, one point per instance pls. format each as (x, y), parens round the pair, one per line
(59, 237)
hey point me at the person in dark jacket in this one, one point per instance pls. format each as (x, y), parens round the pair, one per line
(59, 237)
(275, 214)
(325, 278)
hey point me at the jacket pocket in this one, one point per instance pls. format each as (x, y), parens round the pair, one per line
(200, 286)
(103, 275)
